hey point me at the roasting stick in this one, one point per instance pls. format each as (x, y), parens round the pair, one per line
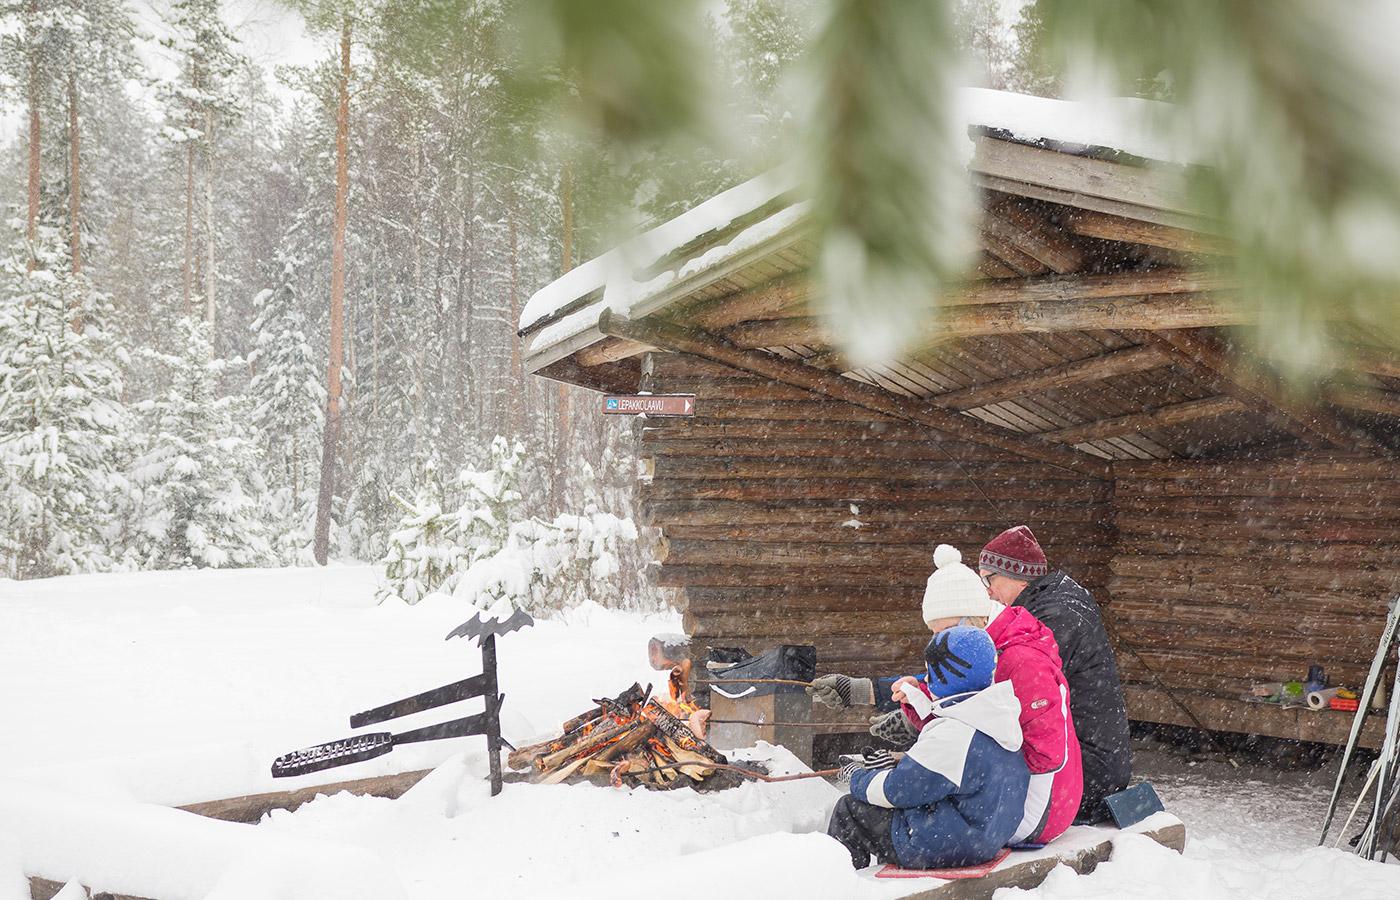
(621, 769)
(847, 725)
(802, 684)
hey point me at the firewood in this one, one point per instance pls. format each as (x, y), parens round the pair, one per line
(629, 742)
(682, 755)
(594, 739)
(678, 733)
(582, 719)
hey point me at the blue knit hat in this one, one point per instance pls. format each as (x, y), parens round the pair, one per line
(960, 660)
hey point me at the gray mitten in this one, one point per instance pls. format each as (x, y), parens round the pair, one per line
(894, 728)
(842, 690)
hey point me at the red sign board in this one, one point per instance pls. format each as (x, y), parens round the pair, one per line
(649, 404)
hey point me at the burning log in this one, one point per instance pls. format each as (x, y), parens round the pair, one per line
(659, 740)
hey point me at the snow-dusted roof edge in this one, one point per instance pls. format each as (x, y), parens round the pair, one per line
(577, 328)
(561, 318)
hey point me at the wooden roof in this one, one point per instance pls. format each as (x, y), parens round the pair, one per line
(1093, 329)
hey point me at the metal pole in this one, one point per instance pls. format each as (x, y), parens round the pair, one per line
(493, 711)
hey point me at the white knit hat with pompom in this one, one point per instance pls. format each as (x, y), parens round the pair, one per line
(954, 590)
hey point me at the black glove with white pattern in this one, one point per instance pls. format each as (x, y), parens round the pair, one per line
(849, 769)
(879, 759)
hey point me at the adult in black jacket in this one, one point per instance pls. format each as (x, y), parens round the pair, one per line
(1014, 567)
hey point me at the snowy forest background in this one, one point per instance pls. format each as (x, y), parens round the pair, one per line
(166, 298)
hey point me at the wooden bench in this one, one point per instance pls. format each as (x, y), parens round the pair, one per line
(1081, 848)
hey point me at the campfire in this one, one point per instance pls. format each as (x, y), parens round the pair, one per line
(633, 738)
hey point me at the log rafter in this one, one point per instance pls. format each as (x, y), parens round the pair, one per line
(1161, 417)
(667, 336)
(1029, 233)
(1207, 359)
(1095, 368)
(1150, 312)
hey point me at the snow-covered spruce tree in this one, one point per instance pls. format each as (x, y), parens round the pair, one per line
(198, 477)
(425, 549)
(63, 429)
(288, 410)
(495, 556)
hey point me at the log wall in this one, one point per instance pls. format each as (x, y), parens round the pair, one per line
(794, 520)
(1231, 573)
(789, 519)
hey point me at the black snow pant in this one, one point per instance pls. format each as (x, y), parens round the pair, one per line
(865, 830)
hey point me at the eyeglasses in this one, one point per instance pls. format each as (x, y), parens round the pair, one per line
(986, 579)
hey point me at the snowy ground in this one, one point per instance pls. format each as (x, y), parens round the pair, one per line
(169, 688)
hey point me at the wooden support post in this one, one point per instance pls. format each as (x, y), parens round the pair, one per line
(708, 346)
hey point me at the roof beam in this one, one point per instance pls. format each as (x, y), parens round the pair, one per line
(1135, 423)
(1011, 256)
(1153, 312)
(1382, 402)
(1207, 359)
(1033, 236)
(771, 300)
(708, 346)
(1095, 368)
(1090, 223)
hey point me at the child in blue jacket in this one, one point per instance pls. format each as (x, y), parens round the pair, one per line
(956, 797)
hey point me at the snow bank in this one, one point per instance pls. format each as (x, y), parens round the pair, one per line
(586, 841)
(151, 851)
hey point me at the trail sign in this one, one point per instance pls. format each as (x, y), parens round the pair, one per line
(650, 404)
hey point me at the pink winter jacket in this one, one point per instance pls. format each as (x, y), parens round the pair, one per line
(1028, 657)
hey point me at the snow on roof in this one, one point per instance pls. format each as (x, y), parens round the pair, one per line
(1119, 124)
(570, 305)
(613, 270)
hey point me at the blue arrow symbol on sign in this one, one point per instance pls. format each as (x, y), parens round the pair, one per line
(612, 403)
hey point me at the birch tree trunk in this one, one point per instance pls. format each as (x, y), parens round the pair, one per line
(331, 436)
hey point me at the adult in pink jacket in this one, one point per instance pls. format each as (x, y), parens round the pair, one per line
(1028, 658)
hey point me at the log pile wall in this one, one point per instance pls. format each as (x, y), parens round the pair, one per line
(792, 520)
(1238, 572)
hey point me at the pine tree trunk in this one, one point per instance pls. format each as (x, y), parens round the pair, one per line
(187, 271)
(31, 230)
(75, 183)
(561, 451)
(209, 276)
(517, 369)
(331, 436)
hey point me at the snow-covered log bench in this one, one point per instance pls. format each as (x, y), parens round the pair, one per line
(1081, 848)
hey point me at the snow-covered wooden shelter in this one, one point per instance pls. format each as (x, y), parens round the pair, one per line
(1081, 384)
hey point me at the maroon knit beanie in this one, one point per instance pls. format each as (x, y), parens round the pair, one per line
(1014, 552)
